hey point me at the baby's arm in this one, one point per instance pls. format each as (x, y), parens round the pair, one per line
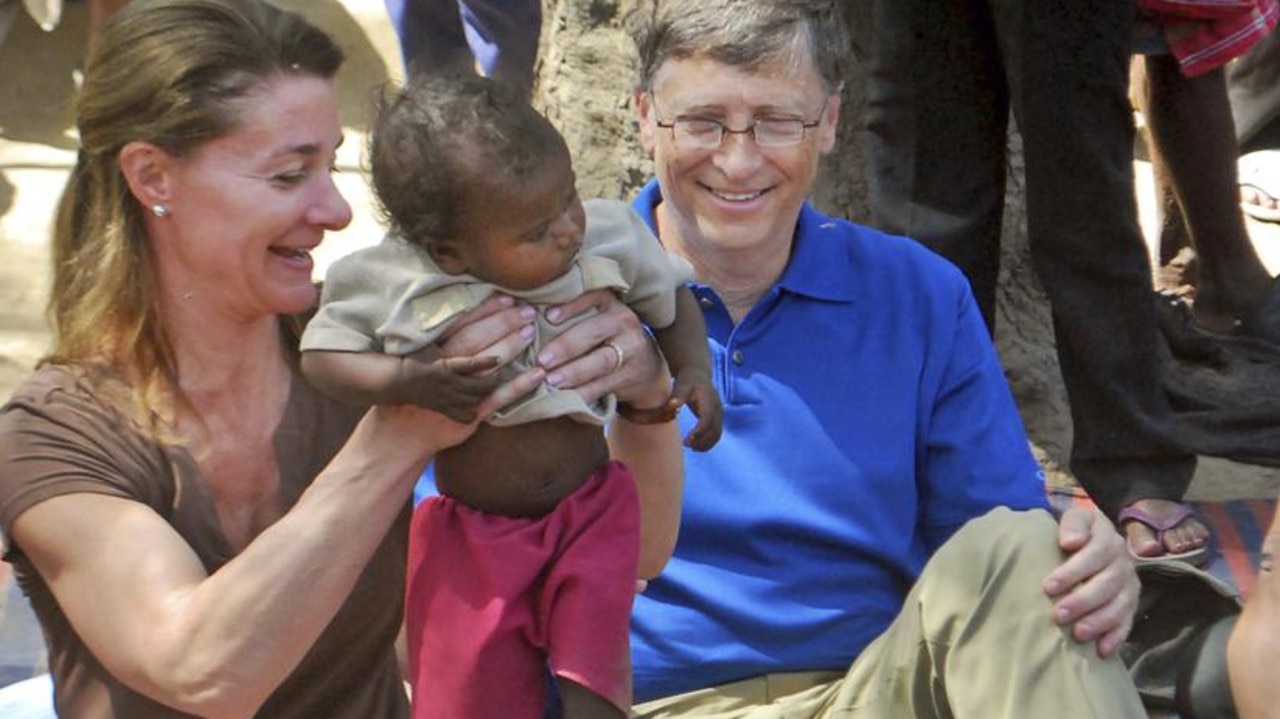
(684, 344)
(451, 386)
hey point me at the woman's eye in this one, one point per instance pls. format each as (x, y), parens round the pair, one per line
(290, 178)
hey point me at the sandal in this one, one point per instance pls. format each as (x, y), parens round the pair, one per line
(1161, 525)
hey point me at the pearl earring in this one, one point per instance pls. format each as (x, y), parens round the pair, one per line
(160, 210)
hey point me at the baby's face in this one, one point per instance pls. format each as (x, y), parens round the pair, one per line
(521, 237)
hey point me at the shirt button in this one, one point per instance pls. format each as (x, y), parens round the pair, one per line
(737, 357)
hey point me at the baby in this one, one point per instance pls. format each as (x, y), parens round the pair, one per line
(528, 556)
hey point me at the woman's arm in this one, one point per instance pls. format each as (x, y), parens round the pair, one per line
(218, 645)
(653, 453)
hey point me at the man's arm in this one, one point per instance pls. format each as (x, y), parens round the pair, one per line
(978, 457)
(1095, 591)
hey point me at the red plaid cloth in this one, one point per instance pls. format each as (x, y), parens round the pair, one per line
(1205, 34)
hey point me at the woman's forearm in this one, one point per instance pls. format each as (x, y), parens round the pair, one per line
(217, 645)
(245, 628)
(656, 459)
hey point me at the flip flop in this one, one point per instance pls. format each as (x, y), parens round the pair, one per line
(1260, 172)
(1161, 525)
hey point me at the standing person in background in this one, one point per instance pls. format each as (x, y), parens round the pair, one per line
(499, 38)
(1181, 90)
(199, 531)
(1253, 84)
(944, 78)
(849, 547)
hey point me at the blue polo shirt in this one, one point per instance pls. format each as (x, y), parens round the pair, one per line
(866, 419)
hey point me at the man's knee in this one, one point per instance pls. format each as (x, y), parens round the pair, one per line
(1005, 549)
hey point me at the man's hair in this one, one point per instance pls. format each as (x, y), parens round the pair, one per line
(446, 136)
(740, 33)
(176, 74)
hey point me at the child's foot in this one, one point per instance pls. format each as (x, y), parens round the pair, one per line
(1179, 276)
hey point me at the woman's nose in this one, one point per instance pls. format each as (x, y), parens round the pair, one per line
(331, 210)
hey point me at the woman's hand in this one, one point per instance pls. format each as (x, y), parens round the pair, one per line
(607, 351)
(501, 329)
(497, 327)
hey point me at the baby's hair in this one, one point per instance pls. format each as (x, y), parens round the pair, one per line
(437, 139)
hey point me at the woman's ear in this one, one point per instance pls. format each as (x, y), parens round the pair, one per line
(148, 171)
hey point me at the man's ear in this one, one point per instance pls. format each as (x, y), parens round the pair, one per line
(446, 256)
(644, 116)
(830, 123)
(148, 171)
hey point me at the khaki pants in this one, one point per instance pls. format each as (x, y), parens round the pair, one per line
(974, 640)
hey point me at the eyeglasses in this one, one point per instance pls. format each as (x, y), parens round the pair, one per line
(704, 133)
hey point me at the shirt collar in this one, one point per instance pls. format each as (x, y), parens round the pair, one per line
(817, 257)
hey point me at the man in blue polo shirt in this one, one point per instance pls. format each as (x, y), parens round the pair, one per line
(867, 428)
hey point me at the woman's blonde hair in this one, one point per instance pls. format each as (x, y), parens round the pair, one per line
(167, 72)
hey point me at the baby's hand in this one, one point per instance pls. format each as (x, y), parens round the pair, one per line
(452, 386)
(696, 390)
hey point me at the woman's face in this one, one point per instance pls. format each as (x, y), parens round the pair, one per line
(247, 209)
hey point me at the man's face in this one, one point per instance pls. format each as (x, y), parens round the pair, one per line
(737, 195)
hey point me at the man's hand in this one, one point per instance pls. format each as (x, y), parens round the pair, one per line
(1095, 591)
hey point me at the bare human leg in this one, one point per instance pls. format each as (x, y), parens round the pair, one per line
(1193, 142)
